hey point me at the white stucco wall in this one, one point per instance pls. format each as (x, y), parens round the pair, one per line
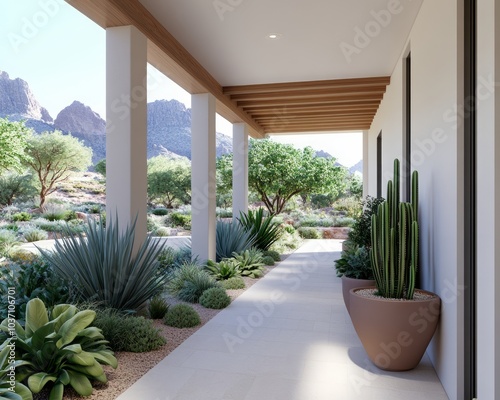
(436, 52)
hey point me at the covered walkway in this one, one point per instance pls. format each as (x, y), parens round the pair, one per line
(288, 337)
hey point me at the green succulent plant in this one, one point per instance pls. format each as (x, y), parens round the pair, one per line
(251, 263)
(231, 237)
(224, 269)
(9, 389)
(265, 229)
(60, 348)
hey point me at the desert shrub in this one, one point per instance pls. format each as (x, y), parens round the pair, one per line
(287, 242)
(344, 221)
(69, 215)
(15, 187)
(162, 231)
(360, 233)
(32, 279)
(224, 213)
(94, 259)
(250, 262)
(60, 347)
(20, 255)
(224, 269)
(21, 216)
(268, 260)
(231, 238)
(316, 221)
(236, 282)
(152, 224)
(157, 307)
(188, 282)
(274, 254)
(350, 206)
(183, 220)
(354, 263)
(8, 240)
(54, 212)
(50, 226)
(265, 230)
(128, 333)
(182, 316)
(289, 229)
(100, 167)
(215, 298)
(34, 234)
(309, 233)
(160, 211)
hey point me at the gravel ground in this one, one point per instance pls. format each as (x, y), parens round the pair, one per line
(131, 366)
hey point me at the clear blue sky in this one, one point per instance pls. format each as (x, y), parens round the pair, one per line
(61, 54)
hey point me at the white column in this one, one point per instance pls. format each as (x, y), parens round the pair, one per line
(126, 129)
(240, 169)
(366, 151)
(203, 183)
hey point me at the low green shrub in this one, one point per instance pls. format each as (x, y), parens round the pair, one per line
(250, 263)
(188, 282)
(34, 234)
(182, 316)
(224, 269)
(268, 260)
(312, 221)
(287, 242)
(183, 220)
(60, 347)
(21, 217)
(152, 224)
(215, 298)
(157, 307)
(274, 254)
(50, 226)
(69, 215)
(309, 233)
(162, 231)
(289, 228)
(160, 211)
(235, 282)
(128, 333)
(344, 221)
(8, 240)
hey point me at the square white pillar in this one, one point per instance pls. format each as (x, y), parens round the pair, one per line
(203, 182)
(126, 128)
(240, 169)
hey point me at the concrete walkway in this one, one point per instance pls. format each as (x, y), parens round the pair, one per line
(288, 337)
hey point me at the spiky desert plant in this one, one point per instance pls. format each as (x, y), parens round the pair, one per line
(224, 269)
(105, 266)
(231, 237)
(395, 241)
(189, 281)
(250, 262)
(265, 229)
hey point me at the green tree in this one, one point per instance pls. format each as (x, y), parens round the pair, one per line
(54, 157)
(13, 141)
(14, 186)
(277, 172)
(169, 180)
(224, 177)
(100, 167)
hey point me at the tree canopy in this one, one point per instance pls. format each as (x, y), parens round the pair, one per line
(53, 157)
(169, 180)
(13, 142)
(277, 172)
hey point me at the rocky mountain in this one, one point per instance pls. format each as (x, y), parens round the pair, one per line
(358, 167)
(169, 122)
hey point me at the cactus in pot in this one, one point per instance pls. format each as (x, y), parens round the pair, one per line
(395, 241)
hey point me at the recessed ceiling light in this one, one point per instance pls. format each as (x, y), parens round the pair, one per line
(274, 36)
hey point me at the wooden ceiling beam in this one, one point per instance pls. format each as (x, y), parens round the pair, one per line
(318, 101)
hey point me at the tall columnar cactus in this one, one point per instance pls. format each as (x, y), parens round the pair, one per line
(394, 251)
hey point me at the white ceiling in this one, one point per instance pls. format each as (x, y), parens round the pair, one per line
(232, 43)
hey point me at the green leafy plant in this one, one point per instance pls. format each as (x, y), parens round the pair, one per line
(309, 233)
(160, 211)
(182, 316)
(157, 307)
(188, 282)
(32, 279)
(106, 268)
(60, 348)
(162, 231)
(127, 332)
(16, 187)
(265, 230)
(224, 269)
(21, 216)
(34, 234)
(274, 254)
(236, 282)
(360, 234)
(268, 260)
(354, 263)
(250, 263)
(231, 238)
(179, 219)
(215, 298)
(8, 240)
(289, 229)
(395, 240)
(9, 389)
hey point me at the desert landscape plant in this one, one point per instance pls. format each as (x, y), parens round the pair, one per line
(231, 238)
(182, 316)
(188, 282)
(215, 298)
(224, 269)
(264, 229)
(233, 283)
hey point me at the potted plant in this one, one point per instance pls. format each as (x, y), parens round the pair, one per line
(394, 321)
(354, 264)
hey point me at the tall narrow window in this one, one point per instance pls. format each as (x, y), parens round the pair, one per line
(407, 129)
(379, 164)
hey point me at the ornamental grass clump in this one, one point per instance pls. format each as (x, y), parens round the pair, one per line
(395, 240)
(105, 266)
(188, 282)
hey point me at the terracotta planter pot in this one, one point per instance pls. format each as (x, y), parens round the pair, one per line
(352, 283)
(394, 333)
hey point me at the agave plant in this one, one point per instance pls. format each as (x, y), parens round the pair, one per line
(105, 267)
(11, 389)
(224, 269)
(60, 348)
(265, 229)
(251, 263)
(230, 238)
